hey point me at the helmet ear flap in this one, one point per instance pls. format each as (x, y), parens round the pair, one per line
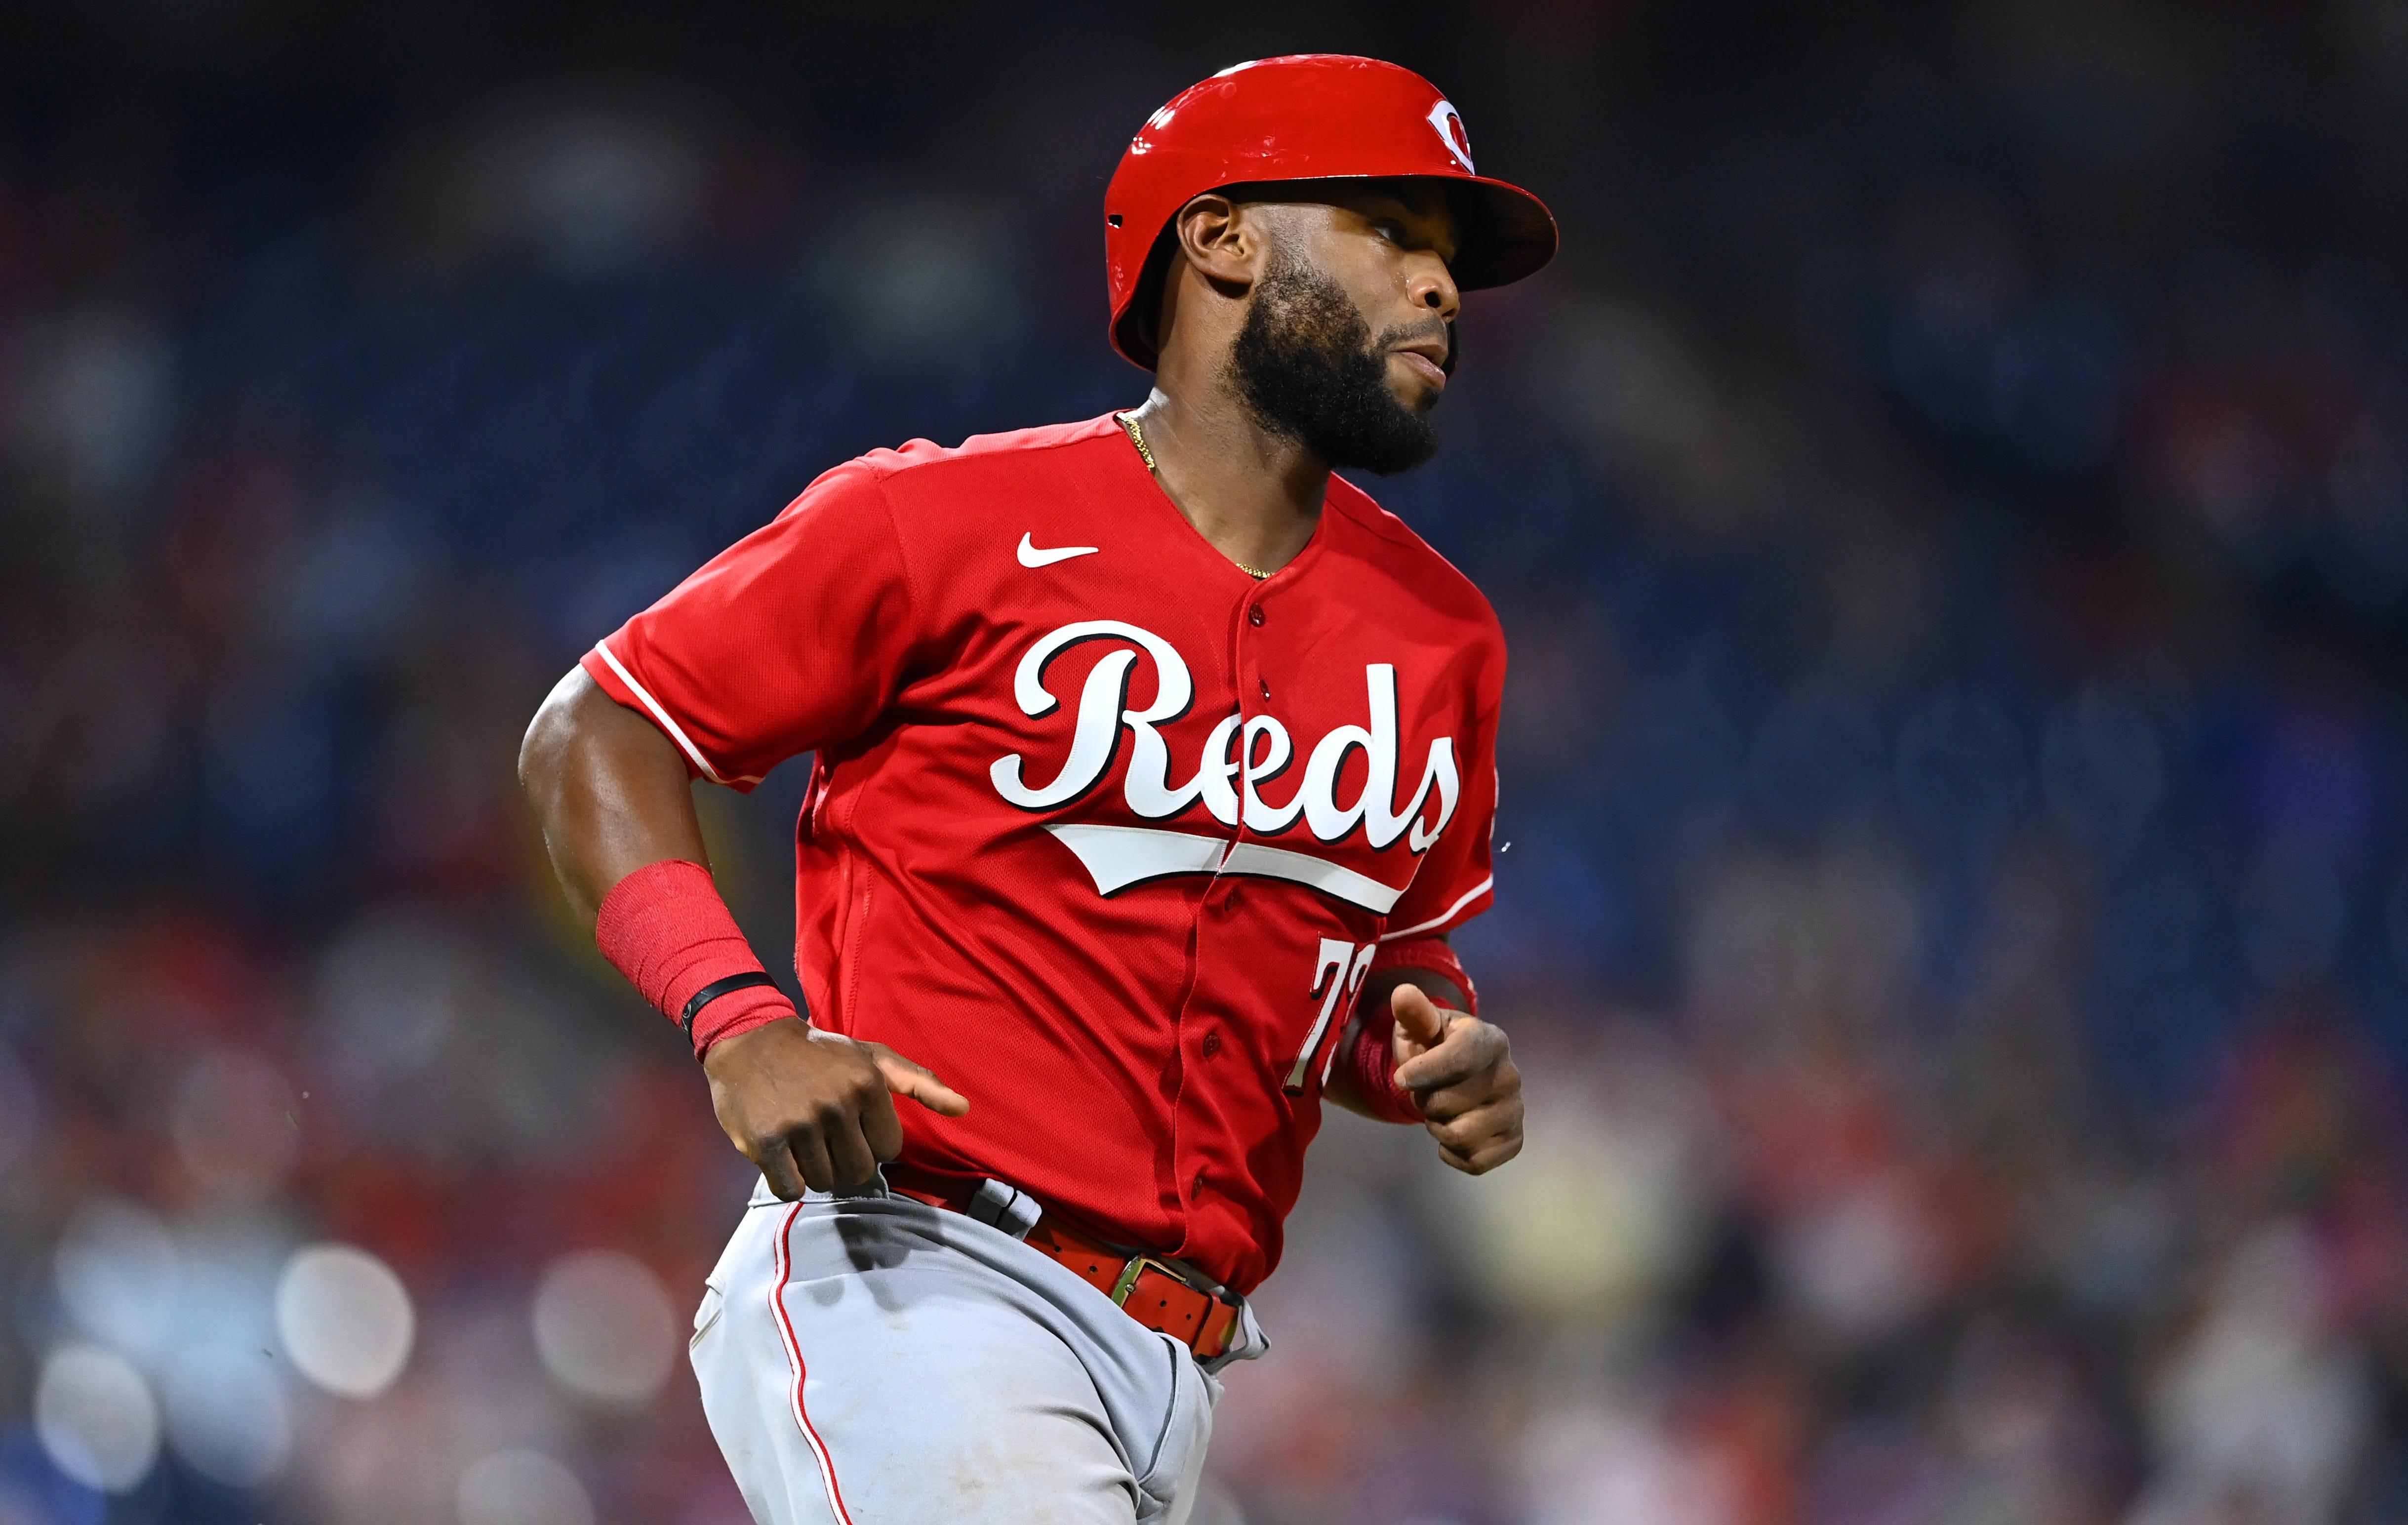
(1136, 333)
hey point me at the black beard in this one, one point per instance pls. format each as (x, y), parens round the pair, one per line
(1306, 367)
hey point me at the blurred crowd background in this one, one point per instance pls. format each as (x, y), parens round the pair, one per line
(1949, 503)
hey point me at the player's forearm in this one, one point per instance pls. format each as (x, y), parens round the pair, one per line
(1371, 1008)
(610, 791)
(618, 819)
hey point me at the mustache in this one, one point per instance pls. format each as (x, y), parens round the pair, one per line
(1410, 332)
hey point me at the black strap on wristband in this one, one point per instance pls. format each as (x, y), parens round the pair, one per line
(715, 989)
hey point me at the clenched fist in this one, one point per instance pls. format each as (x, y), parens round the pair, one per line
(1460, 1071)
(816, 1109)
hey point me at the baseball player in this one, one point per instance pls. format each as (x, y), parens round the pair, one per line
(1154, 763)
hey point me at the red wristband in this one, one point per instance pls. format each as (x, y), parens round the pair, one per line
(667, 929)
(1369, 1057)
(1434, 954)
(1369, 1060)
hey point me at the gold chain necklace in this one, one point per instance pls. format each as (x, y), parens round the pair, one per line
(1136, 436)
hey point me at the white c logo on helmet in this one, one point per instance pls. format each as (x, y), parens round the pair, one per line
(1448, 123)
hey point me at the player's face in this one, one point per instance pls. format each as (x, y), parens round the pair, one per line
(1388, 246)
(1347, 339)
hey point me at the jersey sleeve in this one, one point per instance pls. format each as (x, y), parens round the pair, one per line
(794, 638)
(1455, 882)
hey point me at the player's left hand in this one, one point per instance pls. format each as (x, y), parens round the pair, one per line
(1461, 1071)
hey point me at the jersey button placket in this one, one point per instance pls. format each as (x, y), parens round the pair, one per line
(1252, 655)
(1222, 897)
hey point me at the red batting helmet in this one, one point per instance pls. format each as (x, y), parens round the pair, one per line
(1307, 117)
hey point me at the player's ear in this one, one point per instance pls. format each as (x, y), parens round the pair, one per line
(1222, 242)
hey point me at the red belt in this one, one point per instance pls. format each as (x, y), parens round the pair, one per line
(1149, 1288)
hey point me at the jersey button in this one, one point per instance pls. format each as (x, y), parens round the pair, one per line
(1267, 686)
(1198, 1190)
(1212, 1042)
(1254, 615)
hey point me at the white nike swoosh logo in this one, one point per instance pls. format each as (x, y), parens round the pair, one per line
(1031, 556)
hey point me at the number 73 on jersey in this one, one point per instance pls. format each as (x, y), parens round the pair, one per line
(1338, 972)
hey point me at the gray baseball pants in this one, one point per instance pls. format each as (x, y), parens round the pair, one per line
(873, 1361)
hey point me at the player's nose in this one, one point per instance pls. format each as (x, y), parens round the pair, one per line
(1431, 286)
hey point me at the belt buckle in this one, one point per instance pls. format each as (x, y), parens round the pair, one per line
(1132, 1271)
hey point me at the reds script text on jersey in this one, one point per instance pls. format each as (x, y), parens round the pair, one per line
(1102, 829)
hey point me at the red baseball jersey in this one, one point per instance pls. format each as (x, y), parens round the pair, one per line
(1102, 829)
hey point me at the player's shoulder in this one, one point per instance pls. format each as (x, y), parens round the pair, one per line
(935, 499)
(1402, 554)
(923, 463)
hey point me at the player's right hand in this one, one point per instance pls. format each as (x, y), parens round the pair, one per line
(816, 1109)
